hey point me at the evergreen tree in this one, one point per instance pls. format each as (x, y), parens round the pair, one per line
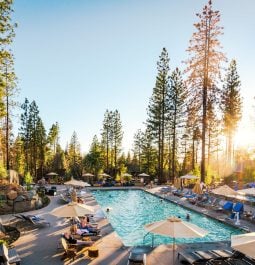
(137, 150)
(106, 136)
(53, 136)
(74, 156)
(158, 110)
(93, 161)
(25, 132)
(18, 159)
(149, 153)
(41, 141)
(33, 119)
(177, 102)
(204, 64)
(7, 75)
(58, 162)
(231, 106)
(117, 135)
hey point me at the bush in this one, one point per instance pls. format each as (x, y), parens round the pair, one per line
(2, 241)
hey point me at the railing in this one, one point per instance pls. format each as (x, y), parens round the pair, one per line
(152, 238)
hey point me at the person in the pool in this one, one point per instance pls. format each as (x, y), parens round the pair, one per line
(188, 217)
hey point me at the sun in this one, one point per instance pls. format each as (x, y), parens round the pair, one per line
(245, 137)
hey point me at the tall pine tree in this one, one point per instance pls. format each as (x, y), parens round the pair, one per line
(204, 65)
(158, 110)
(231, 106)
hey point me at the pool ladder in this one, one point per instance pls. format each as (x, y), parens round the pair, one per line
(152, 238)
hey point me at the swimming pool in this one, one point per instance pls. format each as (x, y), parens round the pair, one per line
(130, 210)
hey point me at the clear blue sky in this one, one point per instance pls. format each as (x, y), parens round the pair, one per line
(77, 58)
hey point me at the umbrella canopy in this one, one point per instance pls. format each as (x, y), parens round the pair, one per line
(127, 175)
(224, 190)
(78, 183)
(143, 175)
(104, 175)
(244, 243)
(72, 210)
(250, 191)
(197, 188)
(177, 183)
(52, 174)
(87, 175)
(189, 177)
(176, 228)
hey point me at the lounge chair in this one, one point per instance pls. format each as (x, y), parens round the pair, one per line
(138, 255)
(37, 221)
(75, 249)
(228, 206)
(201, 257)
(9, 256)
(238, 207)
(191, 258)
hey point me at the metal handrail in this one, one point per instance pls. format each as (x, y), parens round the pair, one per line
(152, 238)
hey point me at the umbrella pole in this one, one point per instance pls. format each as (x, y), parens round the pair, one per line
(173, 249)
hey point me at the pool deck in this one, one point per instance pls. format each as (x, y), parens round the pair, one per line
(41, 246)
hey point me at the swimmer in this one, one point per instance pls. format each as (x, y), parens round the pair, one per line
(107, 210)
(187, 216)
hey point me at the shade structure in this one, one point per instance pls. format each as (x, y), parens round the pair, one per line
(72, 210)
(87, 175)
(177, 183)
(244, 243)
(127, 175)
(77, 183)
(143, 175)
(224, 190)
(197, 188)
(250, 191)
(104, 175)
(52, 174)
(176, 228)
(188, 176)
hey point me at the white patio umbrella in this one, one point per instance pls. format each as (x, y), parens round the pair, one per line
(72, 210)
(244, 243)
(189, 176)
(224, 190)
(176, 228)
(52, 174)
(143, 175)
(77, 183)
(250, 191)
(87, 175)
(127, 175)
(104, 175)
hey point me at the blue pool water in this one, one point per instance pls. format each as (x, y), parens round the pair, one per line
(130, 210)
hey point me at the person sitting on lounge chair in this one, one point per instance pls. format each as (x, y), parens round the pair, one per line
(86, 227)
(70, 240)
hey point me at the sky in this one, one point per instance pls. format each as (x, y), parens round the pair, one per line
(78, 58)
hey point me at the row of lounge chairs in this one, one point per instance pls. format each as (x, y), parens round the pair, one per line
(212, 203)
(216, 256)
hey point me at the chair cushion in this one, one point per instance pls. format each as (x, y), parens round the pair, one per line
(136, 257)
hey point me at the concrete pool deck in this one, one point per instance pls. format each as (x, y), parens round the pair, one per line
(40, 246)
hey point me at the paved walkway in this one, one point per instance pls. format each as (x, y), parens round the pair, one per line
(40, 246)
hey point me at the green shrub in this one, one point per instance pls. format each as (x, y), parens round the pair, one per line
(2, 241)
